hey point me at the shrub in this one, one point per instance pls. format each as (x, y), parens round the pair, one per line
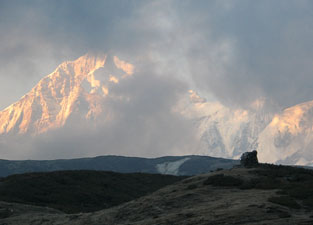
(222, 180)
(294, 184)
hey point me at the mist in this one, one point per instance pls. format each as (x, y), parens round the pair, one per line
(234, 52)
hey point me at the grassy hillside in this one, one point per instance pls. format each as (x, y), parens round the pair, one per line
(267, 194)
(80, 191)
(294, 185)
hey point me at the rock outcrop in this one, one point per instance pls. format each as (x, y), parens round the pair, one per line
(249, 159)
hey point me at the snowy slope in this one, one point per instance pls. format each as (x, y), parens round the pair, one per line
(223, 131)
(73, 89)
(283, 137)
(288, 138)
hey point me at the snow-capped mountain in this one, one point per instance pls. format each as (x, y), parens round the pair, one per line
(79, 90)
(288, 138)
(283, 137)
(223, 131)
(73, 89)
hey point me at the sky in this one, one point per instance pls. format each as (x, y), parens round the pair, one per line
(233, 51)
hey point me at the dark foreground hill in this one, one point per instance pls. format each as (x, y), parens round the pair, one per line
(267, 195)
(174, 165)
(80, 191)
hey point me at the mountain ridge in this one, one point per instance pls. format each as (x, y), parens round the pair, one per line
(77, 93)
(171, 165)
(56, 96)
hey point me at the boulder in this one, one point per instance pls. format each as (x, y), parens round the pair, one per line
(249, 159)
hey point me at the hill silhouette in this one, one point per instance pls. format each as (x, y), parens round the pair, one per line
(80, 191)
(266, 194)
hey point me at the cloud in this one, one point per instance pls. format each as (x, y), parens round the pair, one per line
(138, 120)
(232, 51)
(236, 51)
(254, 49)
(36, 37)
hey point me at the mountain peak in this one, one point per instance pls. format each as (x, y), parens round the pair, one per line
(85, 64)
(73, 87)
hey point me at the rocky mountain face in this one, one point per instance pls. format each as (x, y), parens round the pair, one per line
(223, 131)
(77, 90)
(283, 137)
(73, 89)
(288, 137)
(279, 136)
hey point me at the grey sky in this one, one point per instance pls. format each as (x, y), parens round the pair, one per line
(235, 51)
